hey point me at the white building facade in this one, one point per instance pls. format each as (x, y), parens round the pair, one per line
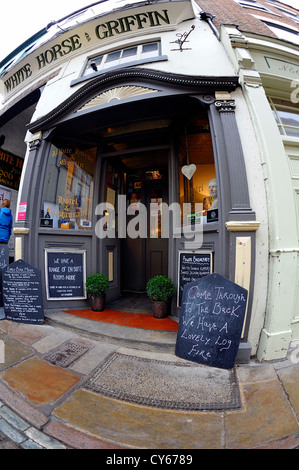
(126, 101)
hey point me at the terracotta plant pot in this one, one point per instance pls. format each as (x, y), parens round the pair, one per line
(159, 309)
(98, 303)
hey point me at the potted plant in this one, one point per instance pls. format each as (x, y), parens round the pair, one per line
(97, 286)
(160, 289)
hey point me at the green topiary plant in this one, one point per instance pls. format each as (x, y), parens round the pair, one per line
(97, 284)
(160, 288)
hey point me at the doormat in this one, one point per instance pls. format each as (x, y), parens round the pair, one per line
(66, 354)
(135, 320)
(166, 385)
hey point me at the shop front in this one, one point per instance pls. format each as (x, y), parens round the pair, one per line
(135, 163)
(112, 182)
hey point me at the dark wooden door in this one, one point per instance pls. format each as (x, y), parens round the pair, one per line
(144, 257)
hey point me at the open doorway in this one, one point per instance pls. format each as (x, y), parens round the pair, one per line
(146, 182)
(141, 178)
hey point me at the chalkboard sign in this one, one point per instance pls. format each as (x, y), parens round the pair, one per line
(4, 261)
(65, 274)
(192, 265)
(211, 321)
(22, 296)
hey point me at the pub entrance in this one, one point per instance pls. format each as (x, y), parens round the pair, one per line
(142, 177)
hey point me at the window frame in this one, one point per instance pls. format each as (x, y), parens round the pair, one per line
(252, 4)
(105, 64)
(283, 106)
(276, 27)
(58, 213)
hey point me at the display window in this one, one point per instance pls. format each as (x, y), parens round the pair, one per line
(68, 188)
(197, 174)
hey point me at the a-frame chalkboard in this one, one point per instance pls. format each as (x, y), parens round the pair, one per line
(22, 293)
(211, 321)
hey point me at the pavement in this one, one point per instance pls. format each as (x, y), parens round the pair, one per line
(56, 381)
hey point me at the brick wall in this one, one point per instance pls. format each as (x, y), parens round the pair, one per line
(230, 12)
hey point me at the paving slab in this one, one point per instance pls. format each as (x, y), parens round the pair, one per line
(267, 415)
(40, 382)
(28, 412)
(140, 427)
(11, 432)
(59, 410)
(93, 358)
(14, 351)
(53, 340)
(25, 333)
(75, 438)
(43, 439)
(8, 415)
(290, 380)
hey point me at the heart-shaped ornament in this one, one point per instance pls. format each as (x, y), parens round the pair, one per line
(189, 170)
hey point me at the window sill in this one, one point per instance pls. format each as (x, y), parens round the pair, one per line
(63, 232)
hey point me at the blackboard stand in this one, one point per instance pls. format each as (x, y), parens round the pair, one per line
(22, 295)
(211, 321)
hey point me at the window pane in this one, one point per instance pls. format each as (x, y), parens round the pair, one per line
(286, 115)
(150, 50)
(129, 52)
(149, 47)
(288, 118)
(113, 56)
(286, 34)
(291, 132)
(196, 153)
(68, 188)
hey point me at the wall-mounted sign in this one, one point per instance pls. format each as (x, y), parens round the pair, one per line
(137, 20)
(10, 169)
(65, 273)
(192, 265)
(22, 210)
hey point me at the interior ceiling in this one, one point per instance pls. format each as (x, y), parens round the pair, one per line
(131, 131)
(153, 158)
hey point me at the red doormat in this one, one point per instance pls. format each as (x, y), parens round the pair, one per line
(135, 320)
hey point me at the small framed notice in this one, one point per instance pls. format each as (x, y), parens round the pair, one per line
(65, 274)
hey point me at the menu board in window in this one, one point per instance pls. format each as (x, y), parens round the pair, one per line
(192, 265)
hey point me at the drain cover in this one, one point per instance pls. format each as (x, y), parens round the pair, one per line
(66, 354)
(167, 385)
